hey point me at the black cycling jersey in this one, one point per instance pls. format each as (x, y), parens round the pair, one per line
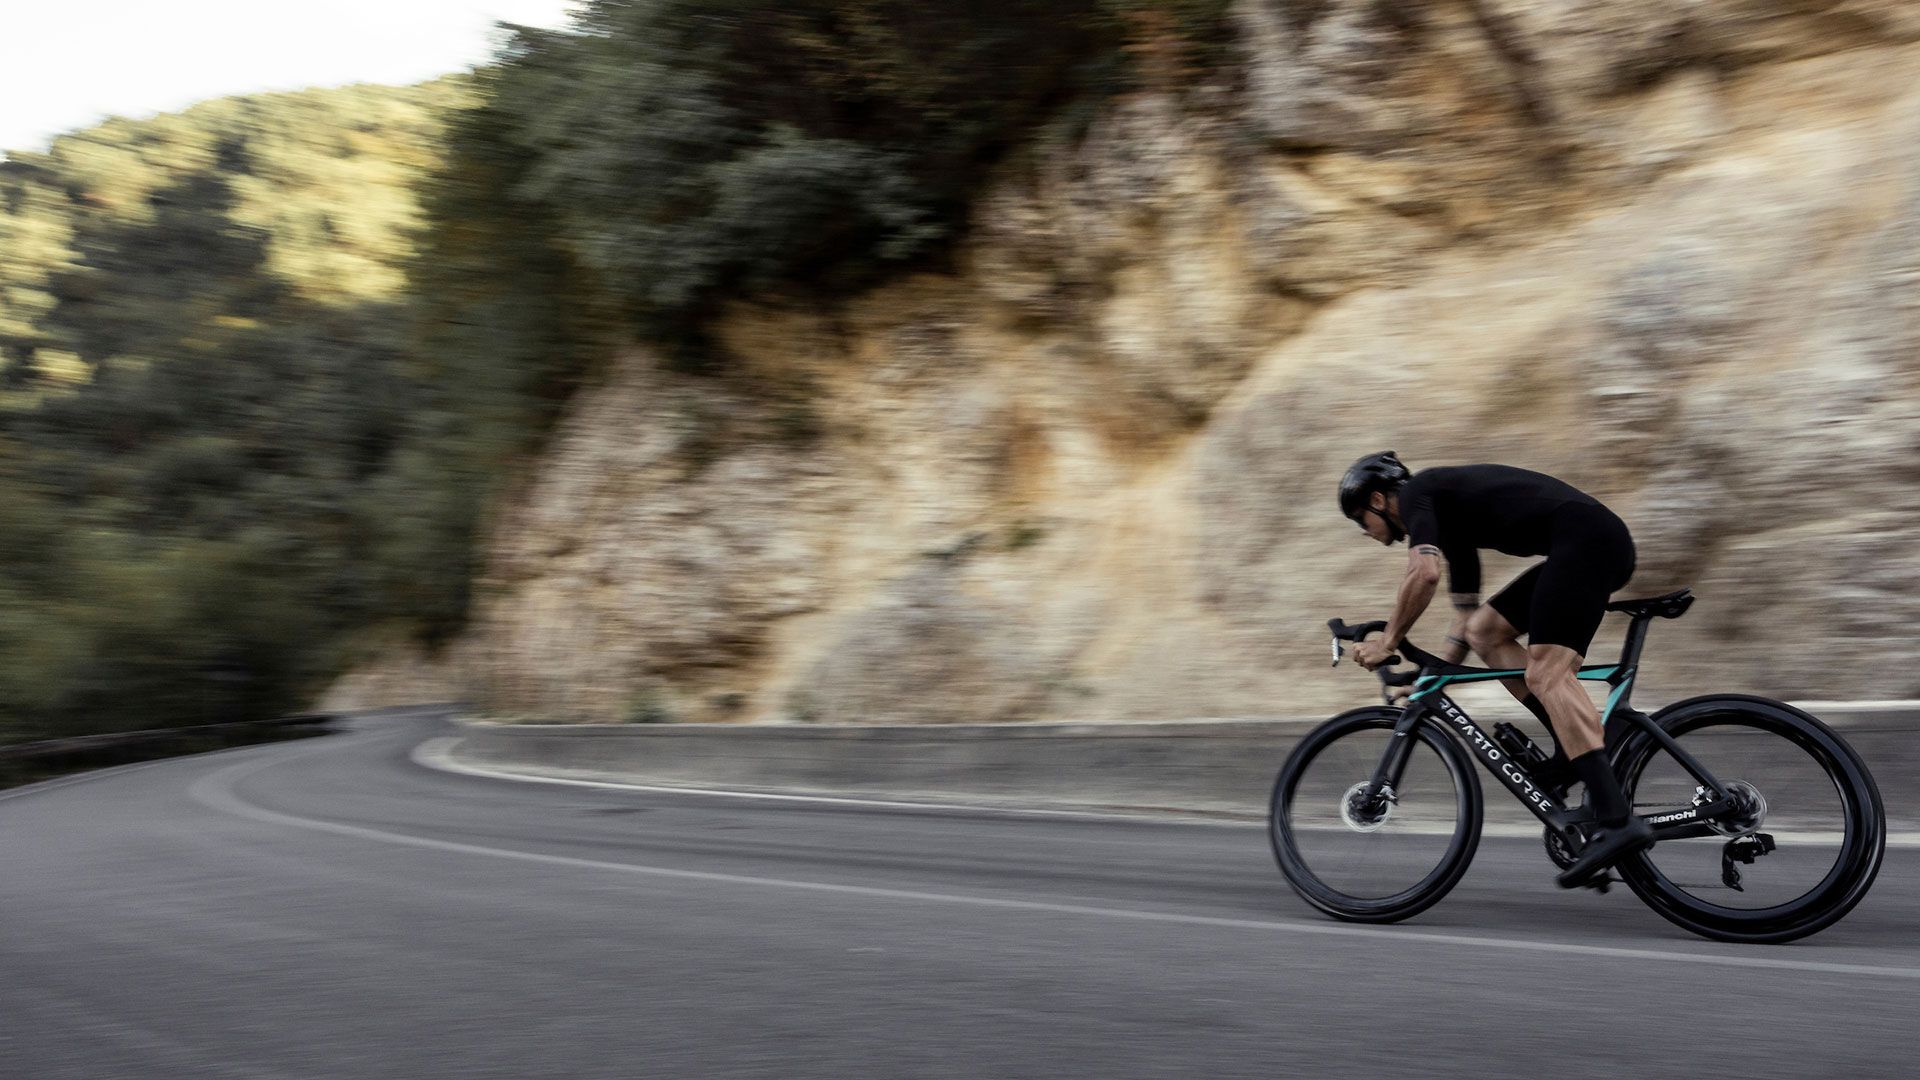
(1463, 508)
(1589, 551)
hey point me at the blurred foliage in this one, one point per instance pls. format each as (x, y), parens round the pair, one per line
(218, 457)
(695, 150)
(265, 363)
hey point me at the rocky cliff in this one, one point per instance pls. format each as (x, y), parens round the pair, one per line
(1667, 249)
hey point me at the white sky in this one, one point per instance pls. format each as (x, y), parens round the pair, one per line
(67, 64)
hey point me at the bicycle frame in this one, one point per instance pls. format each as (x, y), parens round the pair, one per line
(1429, 700)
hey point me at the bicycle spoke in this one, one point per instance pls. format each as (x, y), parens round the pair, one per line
(1364, 853)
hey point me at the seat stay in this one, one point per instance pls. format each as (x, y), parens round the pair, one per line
(1695, 769)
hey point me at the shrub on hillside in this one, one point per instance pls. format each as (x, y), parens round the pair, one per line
(692, 150)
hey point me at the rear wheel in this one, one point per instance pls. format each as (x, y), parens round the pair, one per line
(1381, 859)
(1799, 851)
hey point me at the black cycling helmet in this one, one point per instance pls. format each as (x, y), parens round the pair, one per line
(1375, 472)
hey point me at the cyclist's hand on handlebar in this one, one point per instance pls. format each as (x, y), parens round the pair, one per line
(1371, 654)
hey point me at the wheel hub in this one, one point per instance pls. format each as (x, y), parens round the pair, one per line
(1363, 814)
(1749, 810)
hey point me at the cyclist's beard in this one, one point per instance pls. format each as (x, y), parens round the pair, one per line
(1395, 533)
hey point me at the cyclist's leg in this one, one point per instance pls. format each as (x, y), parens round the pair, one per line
(1493, 632)
(1569, 600)
(1592, 556)
(1494, 629)
(1550, 676)
(1615, 832)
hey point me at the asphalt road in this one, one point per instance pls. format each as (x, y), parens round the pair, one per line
(329, 909)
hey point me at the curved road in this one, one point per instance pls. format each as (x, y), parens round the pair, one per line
(328, 909)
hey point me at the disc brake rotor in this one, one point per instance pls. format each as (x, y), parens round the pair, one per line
(1361, 817)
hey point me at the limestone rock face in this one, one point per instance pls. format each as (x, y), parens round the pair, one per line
(1666, 249)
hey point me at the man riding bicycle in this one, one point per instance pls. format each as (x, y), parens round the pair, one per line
(1450, 514)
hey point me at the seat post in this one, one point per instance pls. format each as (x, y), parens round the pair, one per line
(1630, 650)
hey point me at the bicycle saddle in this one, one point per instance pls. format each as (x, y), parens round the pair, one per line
(1671, 606)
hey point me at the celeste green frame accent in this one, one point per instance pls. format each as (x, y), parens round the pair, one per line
(1427, 684)
(1619, 692)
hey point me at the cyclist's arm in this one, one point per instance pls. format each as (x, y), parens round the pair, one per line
(1425, 554)
(1416, 592)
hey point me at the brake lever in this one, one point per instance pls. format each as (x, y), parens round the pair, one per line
(1397, 687)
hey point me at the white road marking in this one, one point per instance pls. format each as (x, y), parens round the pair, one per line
(437, 753)
(216, 791)
(1856, 706)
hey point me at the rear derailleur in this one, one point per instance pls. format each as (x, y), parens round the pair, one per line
(1743, 849)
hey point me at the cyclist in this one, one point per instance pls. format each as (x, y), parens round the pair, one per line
(1451, 513)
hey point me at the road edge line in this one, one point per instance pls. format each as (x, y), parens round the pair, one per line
(215, 790)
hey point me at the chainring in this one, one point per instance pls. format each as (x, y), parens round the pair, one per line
(1557, 850)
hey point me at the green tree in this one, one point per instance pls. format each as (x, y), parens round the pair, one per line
(693, 150)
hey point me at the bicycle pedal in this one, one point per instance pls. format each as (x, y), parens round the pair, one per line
(1602, 883)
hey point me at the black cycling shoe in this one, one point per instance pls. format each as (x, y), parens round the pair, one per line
(1607, 846)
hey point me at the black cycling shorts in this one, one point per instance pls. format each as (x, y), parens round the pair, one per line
(1562, 600)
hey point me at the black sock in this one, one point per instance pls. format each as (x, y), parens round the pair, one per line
(1603, 788)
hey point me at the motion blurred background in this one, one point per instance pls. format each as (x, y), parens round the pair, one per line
(881, 361)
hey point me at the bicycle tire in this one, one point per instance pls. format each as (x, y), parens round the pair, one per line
(1447, 872)
(1862, 847)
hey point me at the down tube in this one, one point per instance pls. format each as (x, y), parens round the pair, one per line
(1544, 806)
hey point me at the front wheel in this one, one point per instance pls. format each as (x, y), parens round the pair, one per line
(1799, 787)
(1381, 858)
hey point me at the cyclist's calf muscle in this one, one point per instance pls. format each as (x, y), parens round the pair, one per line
(1550, 676)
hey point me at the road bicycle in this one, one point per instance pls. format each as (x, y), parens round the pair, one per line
(1767, 825)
